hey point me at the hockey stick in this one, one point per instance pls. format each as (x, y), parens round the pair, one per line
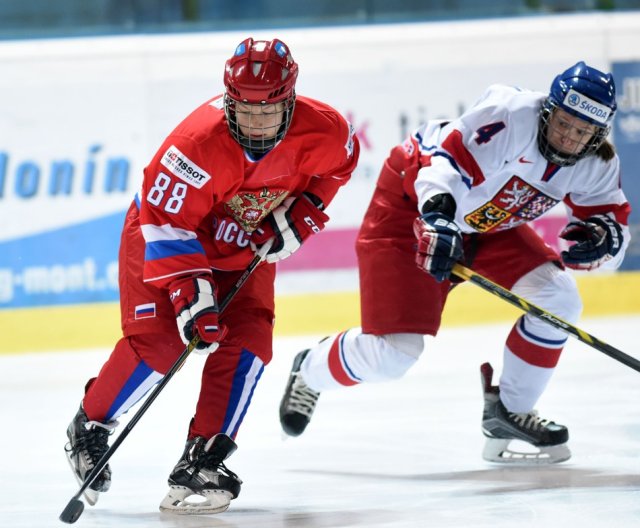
(553, 320)
(75, 507)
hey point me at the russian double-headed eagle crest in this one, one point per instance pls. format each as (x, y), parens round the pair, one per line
(250, 207)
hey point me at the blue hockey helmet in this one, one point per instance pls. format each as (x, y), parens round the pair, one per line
(584, 92)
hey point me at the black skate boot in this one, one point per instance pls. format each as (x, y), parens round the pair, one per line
(298, 402)
(88, 442)
(201, 471)
(501, 427)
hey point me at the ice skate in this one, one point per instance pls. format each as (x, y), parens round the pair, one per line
(88, 442)
(201, 483)
(546, 439)
(298, 402)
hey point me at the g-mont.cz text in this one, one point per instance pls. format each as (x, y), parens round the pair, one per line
(57, 279)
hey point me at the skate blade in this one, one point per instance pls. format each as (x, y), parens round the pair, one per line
(90, 495)
(500, 451)
(182, 501)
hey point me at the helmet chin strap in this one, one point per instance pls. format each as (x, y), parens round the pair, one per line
(259, 147)
(557, 157)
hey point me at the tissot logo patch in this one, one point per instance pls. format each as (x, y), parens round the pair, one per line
(185, 169)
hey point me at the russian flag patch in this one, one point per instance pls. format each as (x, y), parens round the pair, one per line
(144, 311)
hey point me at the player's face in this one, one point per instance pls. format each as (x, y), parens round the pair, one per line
(258, 121)
(567, 133)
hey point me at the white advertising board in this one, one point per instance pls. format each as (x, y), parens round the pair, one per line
(81, 118)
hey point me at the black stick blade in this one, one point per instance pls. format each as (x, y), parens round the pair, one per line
(72, 512)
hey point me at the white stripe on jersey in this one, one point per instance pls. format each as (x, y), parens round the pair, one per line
(154, 233)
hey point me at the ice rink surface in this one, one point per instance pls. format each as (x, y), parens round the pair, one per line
(399, 454)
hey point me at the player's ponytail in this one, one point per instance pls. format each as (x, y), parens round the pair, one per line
(606, 151)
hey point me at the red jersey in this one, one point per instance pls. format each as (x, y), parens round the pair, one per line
(203, 195)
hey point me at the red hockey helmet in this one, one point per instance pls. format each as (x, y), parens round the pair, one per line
(261, 72)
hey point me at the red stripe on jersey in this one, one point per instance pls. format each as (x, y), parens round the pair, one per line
(550, 171)
(621, 212)
(336, 367)
(532, 354)
(465, 160)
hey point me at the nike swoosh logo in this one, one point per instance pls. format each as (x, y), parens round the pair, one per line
(522, 160)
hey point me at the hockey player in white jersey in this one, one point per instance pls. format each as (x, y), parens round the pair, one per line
(474, 184)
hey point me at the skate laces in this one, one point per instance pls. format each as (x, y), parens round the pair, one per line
(94, 440)
(302, 399)
(212, 462)
(530, 420)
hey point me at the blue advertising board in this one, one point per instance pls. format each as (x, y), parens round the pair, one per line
(626, 134)
(71, 265)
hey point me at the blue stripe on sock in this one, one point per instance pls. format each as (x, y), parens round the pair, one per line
(246, 407)
(549, 342)
(237, 388)
(137, 378)
(344, 359)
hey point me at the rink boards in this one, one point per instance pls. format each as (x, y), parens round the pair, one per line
(112, 100)
(98, 325)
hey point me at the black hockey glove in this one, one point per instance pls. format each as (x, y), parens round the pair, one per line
(597, 240)
(439, 237)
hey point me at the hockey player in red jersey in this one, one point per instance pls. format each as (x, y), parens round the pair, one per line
(256, 163)
(476, 182)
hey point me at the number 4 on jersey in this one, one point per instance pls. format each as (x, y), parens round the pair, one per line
(486, 132)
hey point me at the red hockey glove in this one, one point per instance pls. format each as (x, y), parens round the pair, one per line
(598, 239)
(289, 224)
(439, 244)
(196, 308)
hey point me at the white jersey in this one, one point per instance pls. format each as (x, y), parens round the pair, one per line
(488, 160)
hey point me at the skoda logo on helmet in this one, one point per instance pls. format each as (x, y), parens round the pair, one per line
(573, 99)
(591, 109)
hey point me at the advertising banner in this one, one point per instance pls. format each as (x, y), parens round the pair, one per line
(61, 222)
(82, 117)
